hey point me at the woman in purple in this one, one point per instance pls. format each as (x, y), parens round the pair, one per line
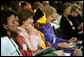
(50, 36)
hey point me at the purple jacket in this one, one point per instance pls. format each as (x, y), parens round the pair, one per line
(49, 34)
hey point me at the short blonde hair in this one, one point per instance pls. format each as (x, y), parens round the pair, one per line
(49, 10)
(74, 7)
(37, 5)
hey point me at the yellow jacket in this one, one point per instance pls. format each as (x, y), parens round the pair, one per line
(42, 39)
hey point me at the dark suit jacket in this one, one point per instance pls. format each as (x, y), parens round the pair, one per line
(76, 20)
(67, 29)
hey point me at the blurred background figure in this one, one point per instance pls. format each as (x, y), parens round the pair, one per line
(45, 3)
(5, 5)
(37, 5)
(80, 3)
(26, 5)
(15, 6)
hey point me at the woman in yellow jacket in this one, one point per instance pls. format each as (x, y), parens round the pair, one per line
(39, 19)
(42, 40)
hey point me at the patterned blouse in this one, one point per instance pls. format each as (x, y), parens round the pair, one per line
(33, 41)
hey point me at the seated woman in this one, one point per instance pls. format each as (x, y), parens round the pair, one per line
(76, 20)
(31, 35)
(11, 43)
(68, 21)
(49, 34)
(27, 30)
(39, 19)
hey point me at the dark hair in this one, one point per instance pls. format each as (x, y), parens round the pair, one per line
(66, 5)
(7, 3)
(4, 20)
(24, 14)
(15, 5)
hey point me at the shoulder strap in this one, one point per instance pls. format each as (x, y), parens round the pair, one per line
(15, 47)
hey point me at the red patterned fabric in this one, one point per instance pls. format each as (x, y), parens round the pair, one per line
(20, 40)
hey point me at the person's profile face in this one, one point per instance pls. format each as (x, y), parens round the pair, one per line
(45, 3)
(12, 23)
(68, 10)
(76, 12)
(49, 19)
(30, 21)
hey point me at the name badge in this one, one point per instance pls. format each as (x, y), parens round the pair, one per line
(25, 47)
(54, 39)
(73, 28)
